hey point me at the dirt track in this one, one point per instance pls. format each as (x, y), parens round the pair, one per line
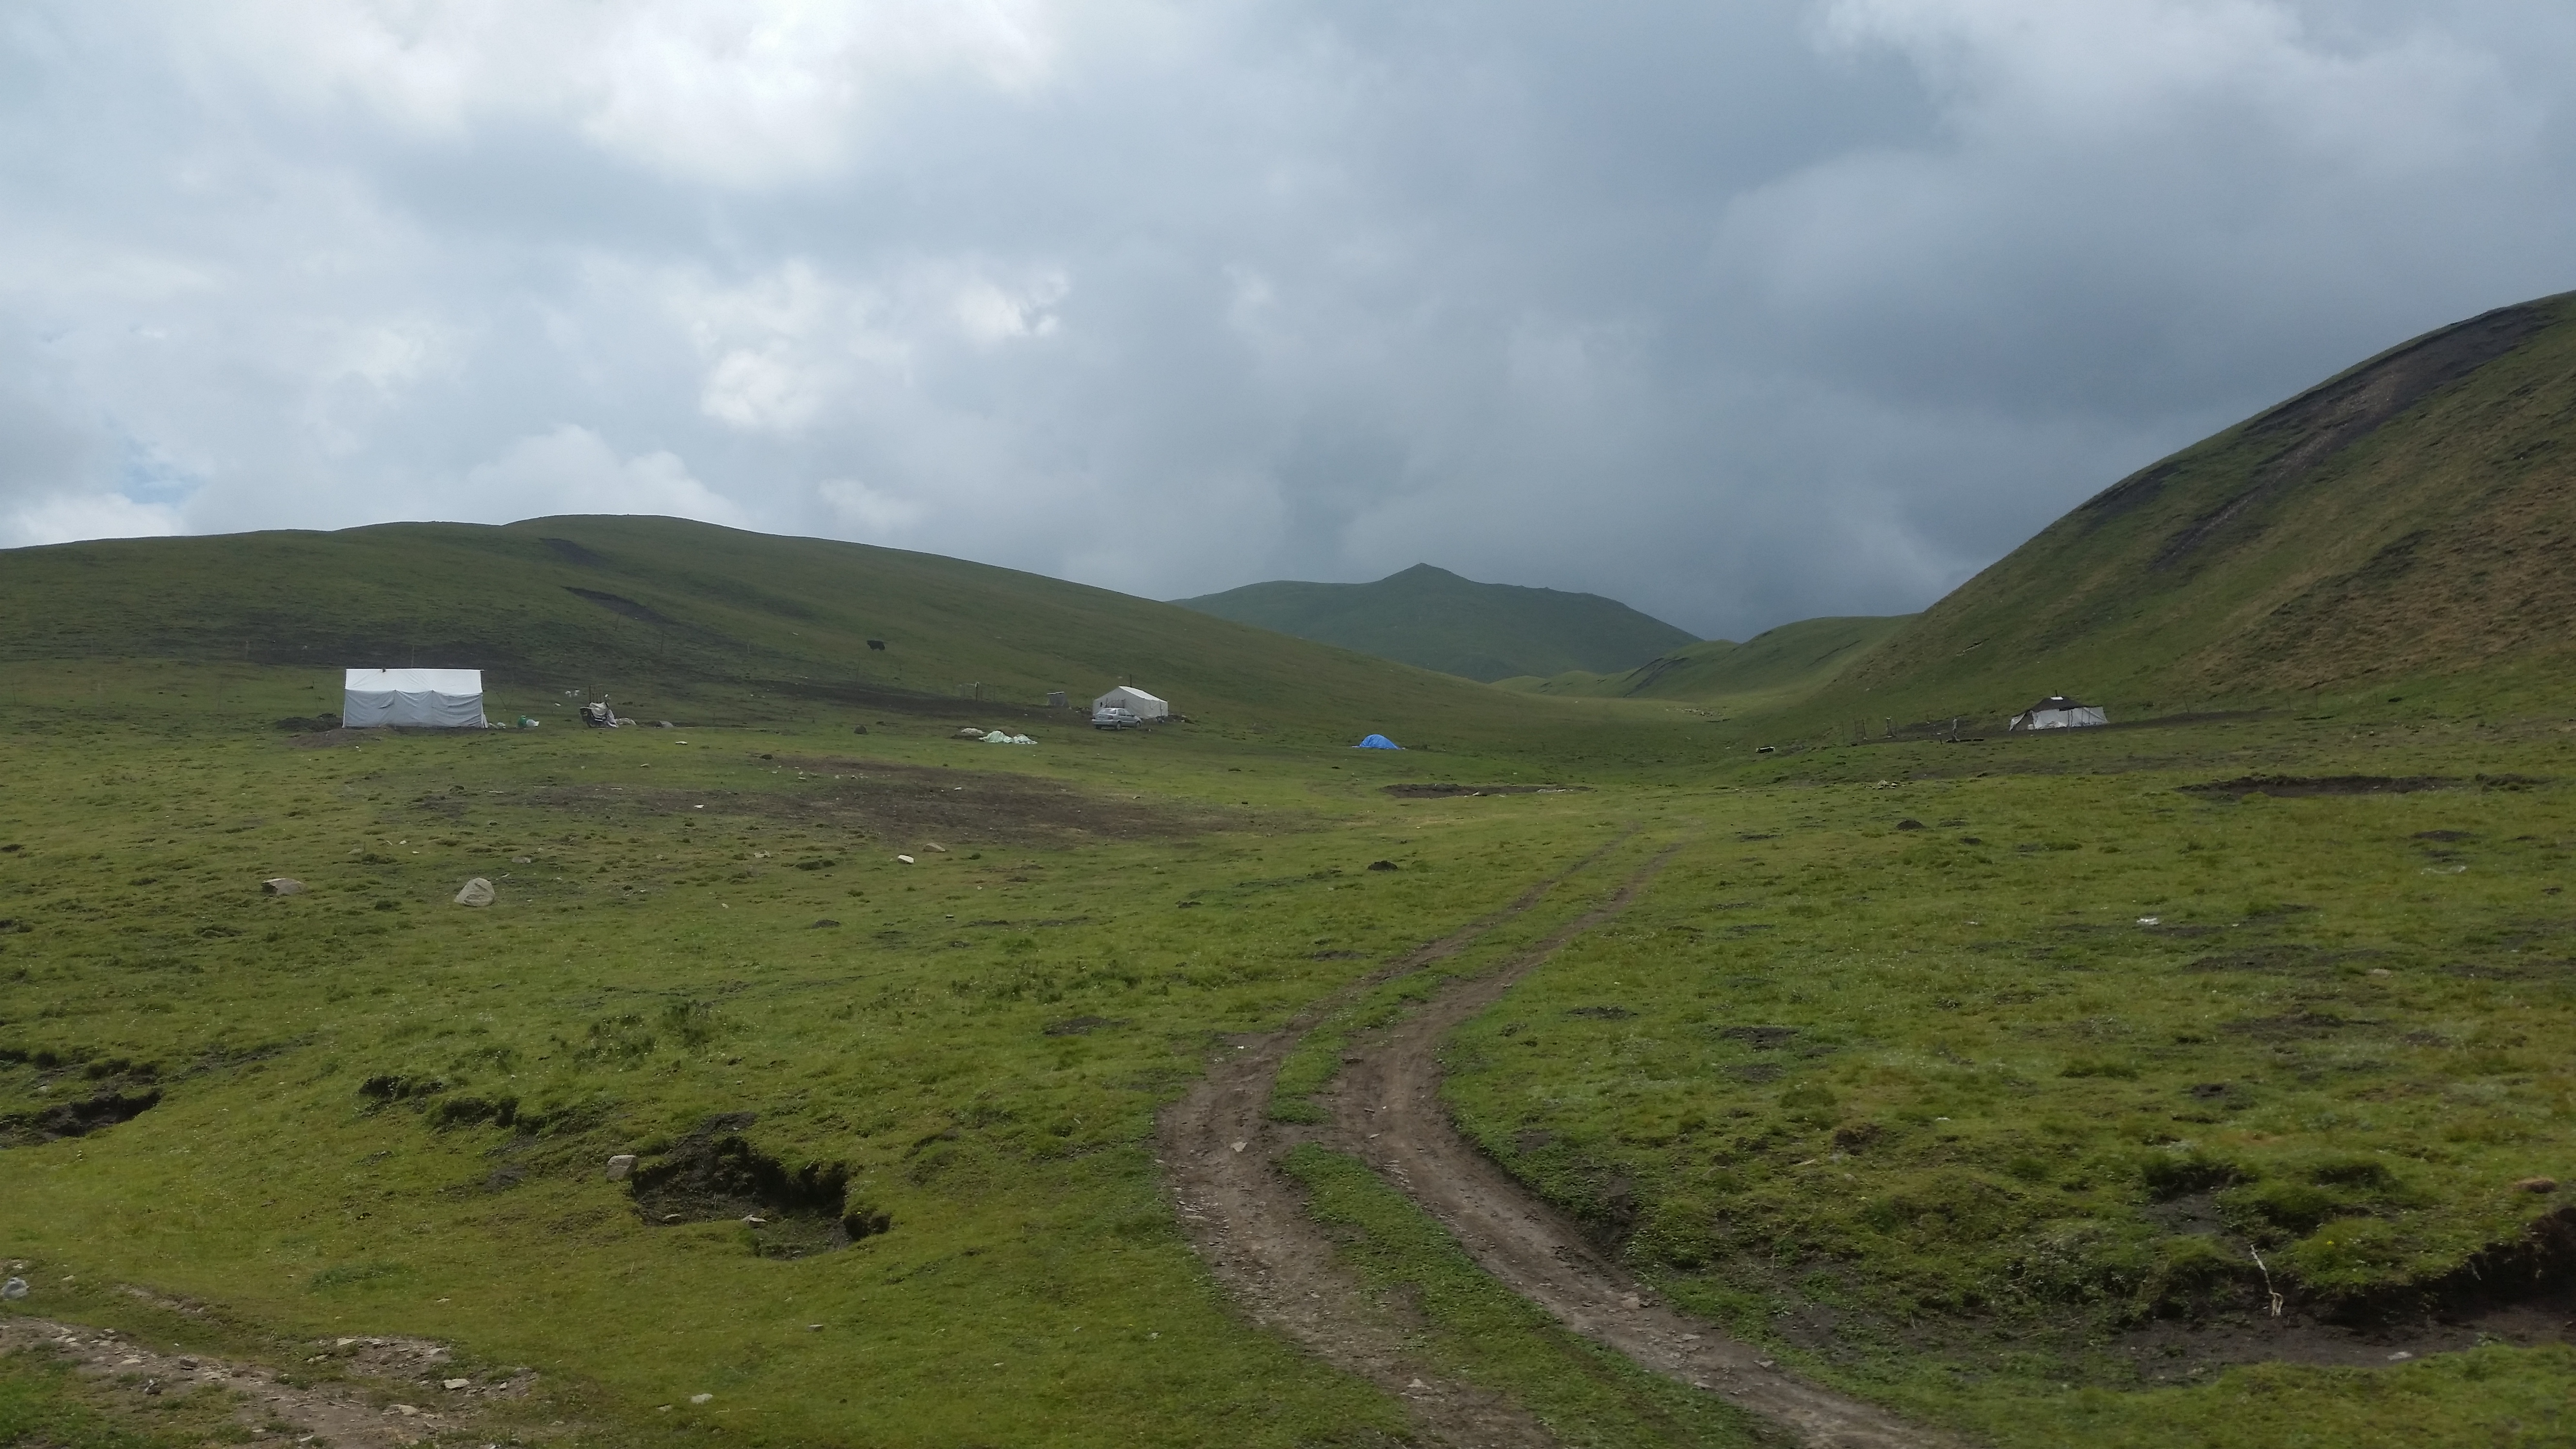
(1220, 1151)
(350, 1403)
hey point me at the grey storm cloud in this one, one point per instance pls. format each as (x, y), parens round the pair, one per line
(1739, 312)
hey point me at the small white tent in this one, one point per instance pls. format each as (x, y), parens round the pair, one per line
(1135, 701)
(2057, 712)
(434, 699)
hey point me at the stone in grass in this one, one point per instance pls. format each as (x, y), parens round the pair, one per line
(14, 1289)
(700, 1398)
(280, 885)
(2537, 1184)
(620, 1165)
(453, 1383)
(477, 892)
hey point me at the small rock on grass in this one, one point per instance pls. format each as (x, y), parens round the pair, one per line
(14, 1289)
(2537, 1184)
(453, 1383)
(700, 1398)
(620, 1165)
(477, 892)
(280, 885)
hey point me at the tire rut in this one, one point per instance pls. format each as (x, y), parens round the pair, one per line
(1387, 1112)
(1219, 1151)
(1247, 1219)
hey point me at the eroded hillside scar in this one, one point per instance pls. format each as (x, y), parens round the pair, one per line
(1247, 1218)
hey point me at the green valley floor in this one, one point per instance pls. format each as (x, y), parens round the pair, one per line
(1990, 1091)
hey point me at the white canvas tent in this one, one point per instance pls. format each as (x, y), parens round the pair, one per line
(1135, 701)
(435, 699)
(2057, 712)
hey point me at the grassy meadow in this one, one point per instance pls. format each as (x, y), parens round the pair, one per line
(1983, 1119)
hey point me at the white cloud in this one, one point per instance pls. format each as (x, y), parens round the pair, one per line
(876, 516)
(785, 348)
(572, 470)
(992, 313)
(67, 517)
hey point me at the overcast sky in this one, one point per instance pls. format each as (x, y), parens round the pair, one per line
(1739, 312)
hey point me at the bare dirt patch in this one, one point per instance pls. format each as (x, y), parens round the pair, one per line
(2287, 787)
(1444, 792)
(908, 802)
(76, 1119)
(2521, 1292)
(715, 1175)
(353, 1393)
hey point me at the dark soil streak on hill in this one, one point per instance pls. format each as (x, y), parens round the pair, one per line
(2325, 420)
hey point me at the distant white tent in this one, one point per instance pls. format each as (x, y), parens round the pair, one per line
(1135, 701)
(433, 699)
(2057, 712)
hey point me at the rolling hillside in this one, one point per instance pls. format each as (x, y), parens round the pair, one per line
(1434, 618)
(690, 620)
(1777, 666)
(2411, 517)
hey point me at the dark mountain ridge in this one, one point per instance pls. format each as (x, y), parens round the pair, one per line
(1433, 618)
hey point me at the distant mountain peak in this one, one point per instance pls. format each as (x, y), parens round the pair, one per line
(1429, 616)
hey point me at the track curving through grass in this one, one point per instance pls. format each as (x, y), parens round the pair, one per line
(1222, 1152)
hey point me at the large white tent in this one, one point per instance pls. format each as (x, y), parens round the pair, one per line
(2057, 712)
(433, 699)
(1133, 700)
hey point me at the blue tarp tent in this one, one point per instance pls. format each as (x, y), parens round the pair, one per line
(1377, 742)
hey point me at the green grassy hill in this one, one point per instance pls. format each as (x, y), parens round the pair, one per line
(2408, 518)
(1777, 666)
(1433, 618)
(692, 621)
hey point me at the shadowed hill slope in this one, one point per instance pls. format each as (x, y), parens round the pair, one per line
(2412, 516)
(1434, 618)
(1777, 666)
(667, 615)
